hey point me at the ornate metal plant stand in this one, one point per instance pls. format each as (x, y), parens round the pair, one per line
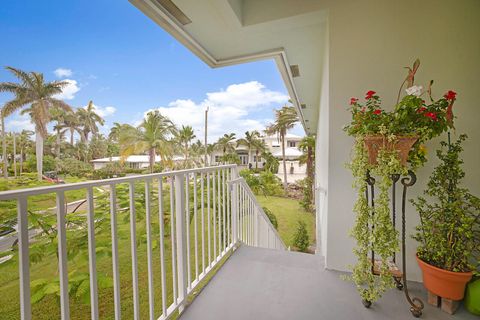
(400, 277)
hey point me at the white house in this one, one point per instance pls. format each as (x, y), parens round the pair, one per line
(295, 170)
(133, 161)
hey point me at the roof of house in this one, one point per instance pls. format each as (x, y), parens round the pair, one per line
(290, 152)
(135, 159)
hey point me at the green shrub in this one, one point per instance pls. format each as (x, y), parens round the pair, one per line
(271, 183)
(31, 163)
(73, 167)
(271, 217)
(301, 240)
(265, 183)
(307, 192)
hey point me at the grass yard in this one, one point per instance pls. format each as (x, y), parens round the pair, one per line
(288, 212)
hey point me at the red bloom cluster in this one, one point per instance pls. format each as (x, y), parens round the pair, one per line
(450, 95)
(369, 94)
(378, 111)
(431, 115)
(353, 101)
(421, 110)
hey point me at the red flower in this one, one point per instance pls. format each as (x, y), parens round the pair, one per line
(431, 115)
(363, 109)
(378, 111)
(421, 110)
(450, 95)
(369, 94)
(353, 101)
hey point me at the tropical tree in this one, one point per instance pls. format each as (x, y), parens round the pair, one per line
(72, 123)
(260, 148)
(115, 131)
(58, 115)
(307, 146)
(152, 136)
(89, 120)
(250, 141)
(24, 144)
(38, 95)
(184, 137)
(226, 143)
(285, 119)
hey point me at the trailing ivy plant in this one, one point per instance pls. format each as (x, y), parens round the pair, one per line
(449, 230)
(383, 238)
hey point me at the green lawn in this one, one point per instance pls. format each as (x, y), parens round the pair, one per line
(288, 212)
(8, 209)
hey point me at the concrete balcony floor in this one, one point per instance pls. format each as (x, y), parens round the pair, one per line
(260, 283)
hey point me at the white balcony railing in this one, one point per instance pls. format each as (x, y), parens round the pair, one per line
(213, 203)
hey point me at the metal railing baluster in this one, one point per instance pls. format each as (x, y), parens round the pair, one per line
(92, 259)
(62, 256)
(133, 245)
(115, 266)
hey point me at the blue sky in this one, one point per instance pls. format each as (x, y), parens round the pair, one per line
(117, 57)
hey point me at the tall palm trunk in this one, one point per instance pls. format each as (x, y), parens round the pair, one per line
(4, 147)
(282, 137)
(39, 153)
(72, 132)
(21, 160)
(151, 159)
(57, 146)
(256, 159)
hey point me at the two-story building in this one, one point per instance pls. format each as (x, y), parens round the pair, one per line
(248, 159)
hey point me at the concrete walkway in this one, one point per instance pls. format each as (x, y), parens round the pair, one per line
(262, 284)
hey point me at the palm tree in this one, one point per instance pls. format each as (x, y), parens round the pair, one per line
(58, 115)
(89, 119)
(225, 143)
(260, 148)
(307, 146)
(72, 123)
(39, 95)
(250, 141)
(24, 143)
(115, 131)
(285, 119)
(152, 136)
(184, 138)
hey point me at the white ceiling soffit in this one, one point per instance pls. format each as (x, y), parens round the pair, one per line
(215, 22)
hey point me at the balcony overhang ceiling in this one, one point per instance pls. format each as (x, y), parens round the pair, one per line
(229, 32)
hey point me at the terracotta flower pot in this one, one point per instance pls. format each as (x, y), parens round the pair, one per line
(443, 283)
(402, 144)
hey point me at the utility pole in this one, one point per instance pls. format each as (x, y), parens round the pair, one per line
(206, 141)
(4, 146)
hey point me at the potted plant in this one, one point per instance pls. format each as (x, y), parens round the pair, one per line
(388, 143)
(449, 227)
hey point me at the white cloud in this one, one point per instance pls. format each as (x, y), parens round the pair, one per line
(63, 73)
(19, 123)
(69, 91)
(230, 110)
(103, 111)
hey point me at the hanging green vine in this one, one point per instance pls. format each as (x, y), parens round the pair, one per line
(383, 238)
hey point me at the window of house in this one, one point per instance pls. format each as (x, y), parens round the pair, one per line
(217, 159)
(255, 159)
(291, 144)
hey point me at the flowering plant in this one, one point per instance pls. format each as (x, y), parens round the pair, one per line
(412, 120)
(412, 116)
